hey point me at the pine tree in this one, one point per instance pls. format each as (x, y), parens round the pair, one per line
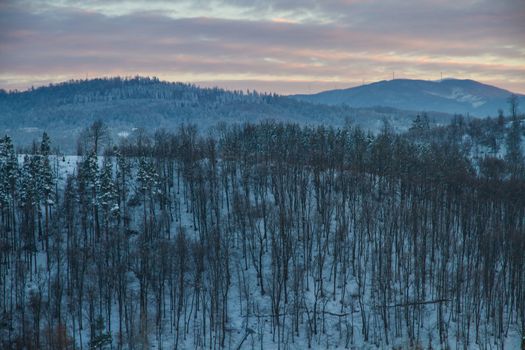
(46, 176)
(108, 195)
(4, 193)
(28, 199)
(27, 185)
(45, 185)
(8, 179)
(9, 169)
(420, 124)
(514, 156)
(123, 177)
(90, 176)
(147, 181)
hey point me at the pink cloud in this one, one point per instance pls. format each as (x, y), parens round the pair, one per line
(363, 42)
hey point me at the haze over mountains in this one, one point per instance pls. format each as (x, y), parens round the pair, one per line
(126, 104)
(446, 96)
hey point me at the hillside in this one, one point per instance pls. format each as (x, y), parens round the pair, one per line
(446, 96)
(63, 110)
(269, 236)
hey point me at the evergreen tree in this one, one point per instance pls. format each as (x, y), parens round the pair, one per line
(8, 169)
(514, 156)
(27, 183)
(147, 177)
(421, 123)
(28, 200)
(8, 179)
(123, 177)
(45, 184)
(147, 181)
(92, 184)
(46, 176)
(108, 195)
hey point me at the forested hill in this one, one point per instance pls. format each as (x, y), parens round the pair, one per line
(446, 96)
(64, 109)
(267, 236)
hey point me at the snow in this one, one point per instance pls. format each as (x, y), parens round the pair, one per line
(458, 94)
(250, 325)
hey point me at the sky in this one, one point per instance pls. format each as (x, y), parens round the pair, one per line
(288, 46)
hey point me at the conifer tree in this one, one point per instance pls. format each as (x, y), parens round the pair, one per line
(514, 156)
(108, 195)
(45, 184)
(91, 179)
(28, 199)
(8, 179)
(147, 182)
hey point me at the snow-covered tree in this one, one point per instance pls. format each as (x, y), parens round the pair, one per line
(8, 171)
(90, 178)
(108, 194)
(46, 180)
(147, 183)
(514, 156)
(8, 179)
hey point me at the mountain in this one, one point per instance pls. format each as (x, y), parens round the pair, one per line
(446, 96)
(125, 104)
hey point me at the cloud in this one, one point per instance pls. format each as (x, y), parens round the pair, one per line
(354, 41)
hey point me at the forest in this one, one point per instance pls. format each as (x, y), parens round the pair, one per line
(124, 104)
(267, 235)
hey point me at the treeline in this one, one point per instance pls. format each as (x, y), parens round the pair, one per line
(118, 88)
(125, 104)
(266, 235)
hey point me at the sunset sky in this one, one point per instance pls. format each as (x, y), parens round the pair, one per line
(290, 46)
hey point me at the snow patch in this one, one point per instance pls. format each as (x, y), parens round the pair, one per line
(458, 94)
(30, 129)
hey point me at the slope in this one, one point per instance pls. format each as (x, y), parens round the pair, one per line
(446, 96)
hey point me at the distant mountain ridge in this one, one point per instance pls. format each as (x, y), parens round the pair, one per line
(453, 96)
(126, 104)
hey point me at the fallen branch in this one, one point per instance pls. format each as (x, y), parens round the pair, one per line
(420, 303)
